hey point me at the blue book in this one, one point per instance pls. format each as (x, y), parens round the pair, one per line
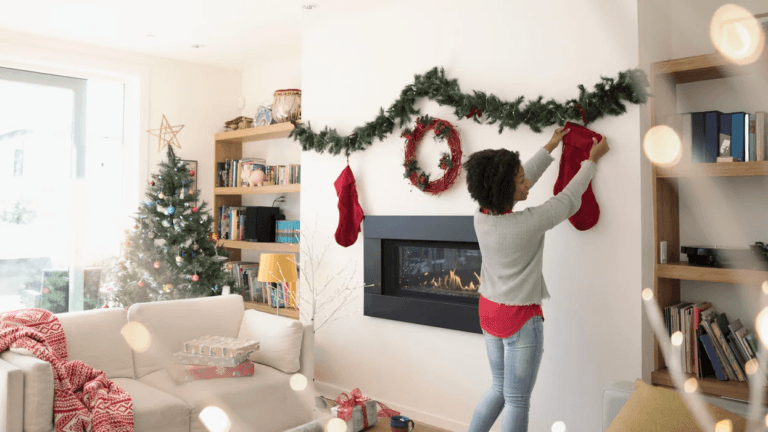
(698, 137)
(752, 137)
(737, 135)
(712, 135)
(713, 357)
(725, 135)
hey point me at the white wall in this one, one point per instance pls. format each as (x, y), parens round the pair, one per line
(197, 96)
(593, 324)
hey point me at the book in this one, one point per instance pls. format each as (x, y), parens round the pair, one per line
(760, 136)
(720, 327)
(727, 159)
(737, 353)
(740, 336)
(738, 135)
(747, 118)
(697, 308)
(752, 152)
(698, 137)
(707, 318)
(725, 136)
(714, 360)
(711, 135)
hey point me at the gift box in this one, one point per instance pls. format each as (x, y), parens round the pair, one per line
(356, 423)
(197, 372)
(206, 360)
(220, 346)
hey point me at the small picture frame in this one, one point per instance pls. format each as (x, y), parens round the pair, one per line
(192, 165)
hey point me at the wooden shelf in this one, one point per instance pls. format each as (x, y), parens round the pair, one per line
(279, 130)
(267, 247)
(279, 189)
(727, 169)
(263, 307)
(703, 67)
(708, 386)
(685, 271)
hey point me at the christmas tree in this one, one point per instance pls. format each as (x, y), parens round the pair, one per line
(170, 253)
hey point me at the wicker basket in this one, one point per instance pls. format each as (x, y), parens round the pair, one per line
(287, 105)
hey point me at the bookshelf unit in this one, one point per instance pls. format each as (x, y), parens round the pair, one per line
(664, 78)
(229, 145)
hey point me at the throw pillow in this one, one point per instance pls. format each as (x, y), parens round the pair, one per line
(279, 339)
(659, 409)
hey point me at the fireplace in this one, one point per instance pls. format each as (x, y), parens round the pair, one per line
(423, 270)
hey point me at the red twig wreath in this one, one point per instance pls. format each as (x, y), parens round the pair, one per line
(449, 163)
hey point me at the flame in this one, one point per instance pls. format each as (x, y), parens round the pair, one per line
(453, 282)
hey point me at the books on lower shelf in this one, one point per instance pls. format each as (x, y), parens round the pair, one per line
(714, 136)
(712, 345)
(235, 173)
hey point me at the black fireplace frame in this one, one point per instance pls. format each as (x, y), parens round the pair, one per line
(444, 314)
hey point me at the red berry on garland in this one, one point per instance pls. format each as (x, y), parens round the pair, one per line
(422, 180)
(195, 277)
(141, 283)
(443, 166)
(194, 210)
(191, 173)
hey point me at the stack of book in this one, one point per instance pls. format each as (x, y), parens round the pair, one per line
(287, 231)
(246, 278)
(235, 173)
(712, 346)
(214, 357)
(714, 136)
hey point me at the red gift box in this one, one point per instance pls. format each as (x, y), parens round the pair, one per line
(185, 373)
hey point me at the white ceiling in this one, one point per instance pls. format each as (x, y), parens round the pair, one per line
(237, 34)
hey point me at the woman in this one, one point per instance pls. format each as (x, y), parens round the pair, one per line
(513, 287)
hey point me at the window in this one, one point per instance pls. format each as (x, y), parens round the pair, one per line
(61, 190)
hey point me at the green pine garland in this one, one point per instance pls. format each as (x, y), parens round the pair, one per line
(607, 99)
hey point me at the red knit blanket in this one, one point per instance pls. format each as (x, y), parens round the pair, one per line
(84, 399)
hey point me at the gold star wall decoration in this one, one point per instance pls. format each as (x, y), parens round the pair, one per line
(167, 134)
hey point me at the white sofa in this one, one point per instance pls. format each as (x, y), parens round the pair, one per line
(263, 402)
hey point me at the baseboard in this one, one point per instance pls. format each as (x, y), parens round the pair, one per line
(332, 391)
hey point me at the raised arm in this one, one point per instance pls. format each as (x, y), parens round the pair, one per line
(539, 162)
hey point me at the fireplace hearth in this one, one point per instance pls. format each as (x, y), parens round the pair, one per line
(423, 270)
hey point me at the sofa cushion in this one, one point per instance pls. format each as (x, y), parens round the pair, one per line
(94, 338)
(279, 339)
(38, 391)
(658, 409)
(173, 322)
(263, 402)
(153, 409)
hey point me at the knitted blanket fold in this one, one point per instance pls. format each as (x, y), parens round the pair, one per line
(84, 399)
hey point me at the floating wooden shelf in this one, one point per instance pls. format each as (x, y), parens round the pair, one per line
(263, 307)
(685, 271)
(266, 247)
(708, 386)
(279, 130)
(703, 68)
(728, 169)
(279, 189)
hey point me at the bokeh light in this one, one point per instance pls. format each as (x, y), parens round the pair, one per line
(337, 425)
(662, 146)
(724, 426)
(677, 338)
(751, 366)
(647, 294)
(691, 385)
(765, 287)
(736, 34)
(137, 336)
(761, 325)
(558, 426)
(298, 382)
(215, 419)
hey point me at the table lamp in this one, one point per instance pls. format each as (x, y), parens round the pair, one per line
(277, 268)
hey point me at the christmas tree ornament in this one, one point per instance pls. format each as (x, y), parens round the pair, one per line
(170, 210)
(167, 287)
(156, 264)
(152, 183)
(151, 234)
(181, 194)
(136, 226)
(165, 223)
(195, 277)
(194, 210)
(177, 228)
(167, 134)
(191, 173)
(186, 204)
(195, 247)
(179, 259)
(161, 195)
(229, 266)
(576, 147)
(350, 212)
(127, 243)
(141, 283)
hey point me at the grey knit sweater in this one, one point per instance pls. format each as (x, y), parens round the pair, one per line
(512, 245)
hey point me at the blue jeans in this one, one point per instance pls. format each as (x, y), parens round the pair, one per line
(514, 365)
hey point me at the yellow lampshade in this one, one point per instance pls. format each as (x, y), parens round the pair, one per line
(277, 268)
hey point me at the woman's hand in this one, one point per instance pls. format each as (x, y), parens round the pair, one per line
(599, 149)
(556, 138)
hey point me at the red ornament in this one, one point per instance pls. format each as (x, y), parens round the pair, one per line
(106, 306)
(191, 173)
(135, 226)
(152, 183)
(450, 174)
(194, 210)
(156, 264)
(45, 291)
(141, 283)
(195, 277)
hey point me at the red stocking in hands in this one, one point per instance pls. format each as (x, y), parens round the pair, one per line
(576, 146)
(350, 212)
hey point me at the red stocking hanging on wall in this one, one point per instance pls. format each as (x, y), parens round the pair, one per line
(576, 146)
(350, 212)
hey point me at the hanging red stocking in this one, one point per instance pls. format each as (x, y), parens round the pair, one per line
(350, 212)
(576, 146)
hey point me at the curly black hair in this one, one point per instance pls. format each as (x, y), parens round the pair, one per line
(491, 178)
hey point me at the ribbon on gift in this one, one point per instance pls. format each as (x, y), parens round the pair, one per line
(345, 407)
